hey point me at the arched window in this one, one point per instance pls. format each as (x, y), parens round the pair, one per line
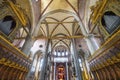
(7, 25)
(110, 21)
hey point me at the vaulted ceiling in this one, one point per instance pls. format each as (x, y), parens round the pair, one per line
(55, 19)
(60, 27)
(57, 24)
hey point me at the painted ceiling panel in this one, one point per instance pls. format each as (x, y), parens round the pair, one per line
(60, 43)
(68, 27)
(57, 32)
(74, 3)
(69, 18)
(63, 41)
(51, 28)
(75, 27)
(60, 29)
(58, 4)
(59, 15)
(54, 41)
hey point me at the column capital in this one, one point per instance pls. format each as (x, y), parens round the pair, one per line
(92, 43)
(89, 36)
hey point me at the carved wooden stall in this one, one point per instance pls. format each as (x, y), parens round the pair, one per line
(105, 62)
(14, 64)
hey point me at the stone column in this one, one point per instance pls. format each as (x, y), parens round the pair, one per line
(92, 43)
(54, 70)
(37, 68)
(51, 71)
(90, 40)
(38, 53)
(31, 67)
(67, 71)
(76, 62)
(45, 60)
(27, 45)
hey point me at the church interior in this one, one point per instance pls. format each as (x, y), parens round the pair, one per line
(59, 39)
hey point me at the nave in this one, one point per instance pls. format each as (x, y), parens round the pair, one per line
(59, 39)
